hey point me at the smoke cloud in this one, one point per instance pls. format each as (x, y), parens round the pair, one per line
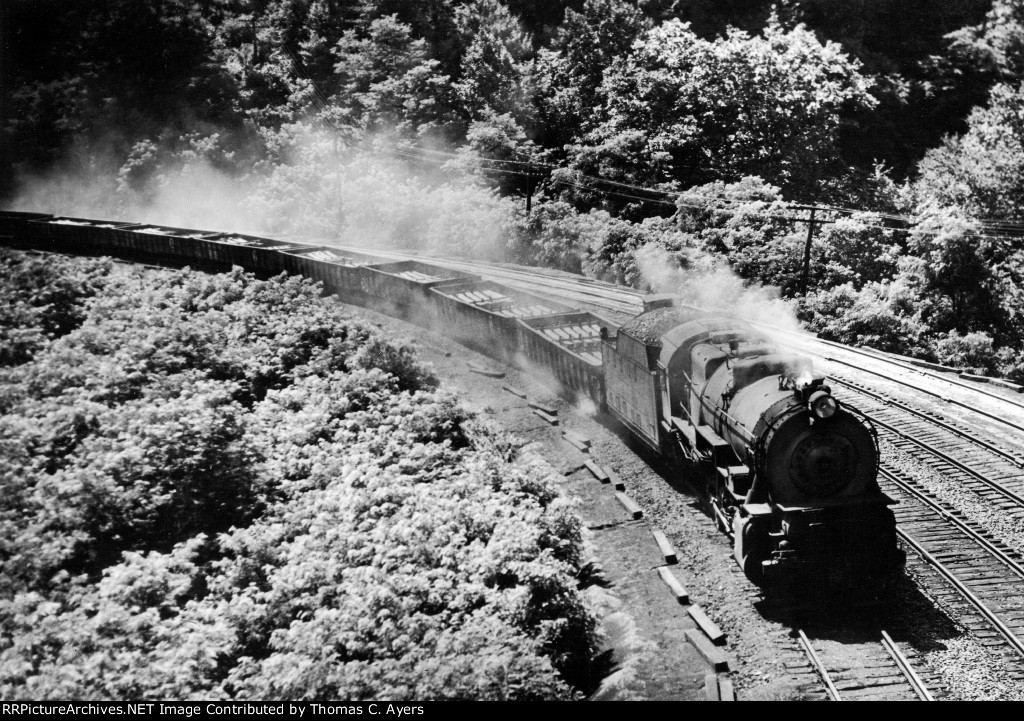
(712, 285)
(308, 182)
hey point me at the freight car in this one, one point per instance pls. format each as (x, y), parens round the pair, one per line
(790, 472)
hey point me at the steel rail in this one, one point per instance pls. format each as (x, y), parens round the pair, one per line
(818, 665)
(973, 409)
(904, 665)
(1016, 460)
(1016, 498)
(978, 604)
(992, 549)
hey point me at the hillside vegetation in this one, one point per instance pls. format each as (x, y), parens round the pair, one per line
(648, 134)
(218, 487)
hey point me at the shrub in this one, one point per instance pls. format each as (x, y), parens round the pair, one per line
(972, 352)
(875, 316)
(222, 487)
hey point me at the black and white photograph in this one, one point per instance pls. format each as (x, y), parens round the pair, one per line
(358, 357)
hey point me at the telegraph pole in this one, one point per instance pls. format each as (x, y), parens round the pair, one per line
(812, 223)
(807, 253)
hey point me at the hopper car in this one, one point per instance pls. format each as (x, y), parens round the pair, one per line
(789, 470)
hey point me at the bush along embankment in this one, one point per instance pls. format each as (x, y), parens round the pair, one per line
(218, 487)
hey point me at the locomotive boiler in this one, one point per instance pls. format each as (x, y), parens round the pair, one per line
(790, 471)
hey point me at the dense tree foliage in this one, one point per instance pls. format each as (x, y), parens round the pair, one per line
(981, 171)
(106, 75)
(217, 487)
(695, 128)
(685, 111)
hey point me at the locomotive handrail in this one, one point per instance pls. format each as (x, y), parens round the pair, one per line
(713, 409)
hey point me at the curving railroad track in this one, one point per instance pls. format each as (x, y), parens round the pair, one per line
(956, 560)
(954, 556)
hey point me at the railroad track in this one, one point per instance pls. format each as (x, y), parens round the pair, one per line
(862, 670)
(978, 577)
(987, 578)
(959, 430)
(992, 417)
(815, 346)
(944, 377)
(991, 471)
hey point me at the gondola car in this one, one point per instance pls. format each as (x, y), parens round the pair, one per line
(790, 471)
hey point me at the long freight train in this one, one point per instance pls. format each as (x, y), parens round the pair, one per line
(790, 471)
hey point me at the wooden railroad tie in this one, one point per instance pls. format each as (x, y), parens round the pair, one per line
(596, 470)
(582, 448)
(712, 654)
(485, 372)
(544, 408)
(668, 552)
(614, 479)
(677, 588)
(1002, 382)
(630, 505)
(577, 438)
(709, 627)
(711, 687)
(718, 688)
(932, 366)
(546, 416)
(515, 391)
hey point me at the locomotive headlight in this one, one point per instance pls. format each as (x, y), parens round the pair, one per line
(822, 404)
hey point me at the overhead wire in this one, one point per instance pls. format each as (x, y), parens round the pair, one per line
(671, 198)
(740, 206)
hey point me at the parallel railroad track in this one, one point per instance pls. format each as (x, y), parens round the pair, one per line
(956, 429)
(888, 358)
(864, 670)
(978, 577)
(994, 417)
(975, 577)
(817, 345)
(992, 472)
(988, 579)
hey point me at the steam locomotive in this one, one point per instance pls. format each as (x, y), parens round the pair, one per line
(789, 470)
